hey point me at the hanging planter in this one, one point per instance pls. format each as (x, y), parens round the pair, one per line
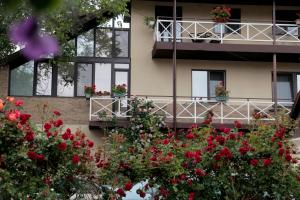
(89, 91)
(221, 14)
(222, 98)
(119, 90)
(221, 92)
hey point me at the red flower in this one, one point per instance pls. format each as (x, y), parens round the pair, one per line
(90, 143)
(298, 178)
(47, 126)
(190, 136)
(166, 141)
(32, 155)
(199, 172)
(29, 136)
(62, 146)
(253, 162)
(75, 159)
(19, 103)
(58, 123)
(237, 124)
(40, 157)
(191, 195)
(164, 192)
(24, 118)
(121, 192)
(267, 161)
(142, 194)
(128, 186)
(288, 157)
(57, 113)
(48, 180)
(12, 116)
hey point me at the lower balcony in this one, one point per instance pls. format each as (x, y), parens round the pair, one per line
(104, 110)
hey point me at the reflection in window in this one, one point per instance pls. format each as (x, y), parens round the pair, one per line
(21, 80)
(103, 42)
(121, 44)
(85, 44)
(44, 79)
(103, 77)
(65, 80)
(215, 79)
(84, 77)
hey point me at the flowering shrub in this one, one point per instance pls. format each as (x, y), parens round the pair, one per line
(119, 89)
(205, 163)
(40, 164)
(90, 89)
(221, 14)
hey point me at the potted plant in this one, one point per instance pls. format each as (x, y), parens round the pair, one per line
(89, 91)
(119, 90)
(221, 14)
(149, 21)
(297, 21)
(221, 92)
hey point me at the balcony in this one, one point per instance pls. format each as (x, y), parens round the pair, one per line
(239, 41)
(189, 110)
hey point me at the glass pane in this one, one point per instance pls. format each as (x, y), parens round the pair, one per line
(107, 24)
(298, 83)
(65, 80)
(85, 44)
(121, 44)
(44, 79)
(215, 78)
(21, 80)
(103, 42)
(120, 22)
(199, 83)
(84, 77)
(103, 77)
(121, 66)
(121, 78)
(284, 87)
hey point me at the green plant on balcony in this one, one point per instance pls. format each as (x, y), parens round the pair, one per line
(89, 91)
(221, 14)
(221, 92)
(149, 21)
(119, 90)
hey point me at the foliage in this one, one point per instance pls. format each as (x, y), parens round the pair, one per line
(221, 90)
(90, 89)
(221, 14)
(205, 163)
(40, 164)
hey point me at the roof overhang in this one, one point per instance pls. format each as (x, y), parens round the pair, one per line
(241, 2)
(234, 52)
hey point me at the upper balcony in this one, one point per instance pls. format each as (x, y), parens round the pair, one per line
(197, 39)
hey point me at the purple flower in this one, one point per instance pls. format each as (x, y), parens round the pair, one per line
(36, 44)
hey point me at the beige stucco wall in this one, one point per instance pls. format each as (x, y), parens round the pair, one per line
(154, 76)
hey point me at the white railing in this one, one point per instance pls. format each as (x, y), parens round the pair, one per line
(201, 31)
(188, 110)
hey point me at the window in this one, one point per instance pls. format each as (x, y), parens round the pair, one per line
(84, 77)
(65, 80)
(85, 44)
(44, 79)
(286, 17)
(288, 84)
(121, 49)
(103, 43)
(204, 82)
(21, 80)
(103, 77)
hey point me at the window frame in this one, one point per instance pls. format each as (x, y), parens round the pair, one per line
(294, 83)
(209, 97)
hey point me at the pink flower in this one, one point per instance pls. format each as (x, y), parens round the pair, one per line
(19, 103)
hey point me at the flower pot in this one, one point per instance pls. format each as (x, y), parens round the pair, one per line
(222, 98)
(119, 95)
(87, 96)
(297, 21)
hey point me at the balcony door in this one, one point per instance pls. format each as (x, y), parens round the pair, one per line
(165, 28)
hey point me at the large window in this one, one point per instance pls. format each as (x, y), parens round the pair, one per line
(204, 82)
(103, 59)
(288, 84)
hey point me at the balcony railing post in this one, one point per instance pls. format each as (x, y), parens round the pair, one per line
(222, 120)
(119, 106)
(248, 34)
(90, 115)
(195, 111)
(248, 111)
(221, 32)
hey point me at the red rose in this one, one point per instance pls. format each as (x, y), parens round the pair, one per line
(29, 136)
(75, 159)
(19, 103)
(57, 113)
(62, 146)
(128, 186)
(32, 155)
(267, 161)
(166, 141)
(24, 118)
(48, 180)
(121, 192)
(237, 124)
(253, 162)
(90, 143)
(142, 194)
(199, 172)
(47, 126)
(12, 116)
(298, 178)
(58, 123)
(66, 136)
(40, 157)
(288, 157)
(191, 195)
(190, 136)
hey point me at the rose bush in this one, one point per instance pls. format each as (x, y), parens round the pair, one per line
(40, 164)
(205, 163)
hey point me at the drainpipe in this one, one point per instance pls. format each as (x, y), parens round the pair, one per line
(174, 67)
(274, 84)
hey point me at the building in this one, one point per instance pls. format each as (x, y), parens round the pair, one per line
(239, 53)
